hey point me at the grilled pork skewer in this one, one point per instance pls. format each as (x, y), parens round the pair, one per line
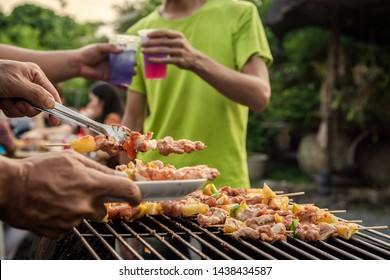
(156, 170)
(128, 213)
(136, 142)
(267, 233)
(212, 217)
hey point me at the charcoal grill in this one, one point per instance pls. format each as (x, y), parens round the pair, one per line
(164, 237)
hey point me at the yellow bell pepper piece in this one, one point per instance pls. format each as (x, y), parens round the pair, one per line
(84, 144)
(278, 219)
(142, 212)
(153, 208)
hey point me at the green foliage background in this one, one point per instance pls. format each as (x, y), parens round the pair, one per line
(34, 27)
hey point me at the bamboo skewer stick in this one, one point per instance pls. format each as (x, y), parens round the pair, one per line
(279, 193)
(260, 191)
(373, 227)
(337, 211)
(354, 221)
(57, 144)
(293, 194)
(346, 221)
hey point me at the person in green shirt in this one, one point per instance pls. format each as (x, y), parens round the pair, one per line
(217, 57)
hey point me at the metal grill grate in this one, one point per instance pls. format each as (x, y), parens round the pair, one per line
(164, 237)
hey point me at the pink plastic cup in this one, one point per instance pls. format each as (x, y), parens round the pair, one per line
(152, 70)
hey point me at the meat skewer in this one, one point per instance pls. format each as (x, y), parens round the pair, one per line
(156, 170)
(212, 217)
(136, 142)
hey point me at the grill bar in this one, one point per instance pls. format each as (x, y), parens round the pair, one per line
(174, 235)
(375, 232)
(102, 240)
(123, 242)
(222, 243)
(258, 251)
(154, 234)
(276, 250)
(342, 244)
(368, 246)
(304, 254)
(313, 250)
(336, 250)
(87, 245)
(377, 241)
(198, 237)
(142, 241)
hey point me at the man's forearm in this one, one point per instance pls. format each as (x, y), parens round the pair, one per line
(57, 65)
(250, 89)
(5, 182)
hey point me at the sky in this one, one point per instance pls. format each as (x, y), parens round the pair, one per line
(80, 10)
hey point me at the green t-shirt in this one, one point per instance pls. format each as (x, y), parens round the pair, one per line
(185, 107)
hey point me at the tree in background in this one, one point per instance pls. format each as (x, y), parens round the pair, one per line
(46, 30)
(38, 28)
(131, 12)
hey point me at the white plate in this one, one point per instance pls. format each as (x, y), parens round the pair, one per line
(164, 190)
(168, 190)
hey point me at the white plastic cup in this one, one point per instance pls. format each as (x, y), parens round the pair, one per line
(122, 64)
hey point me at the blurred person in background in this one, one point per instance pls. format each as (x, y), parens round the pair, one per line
(217, 56)
(104, 106)
(54, 192)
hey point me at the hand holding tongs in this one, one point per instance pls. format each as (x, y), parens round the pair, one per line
(118, 132)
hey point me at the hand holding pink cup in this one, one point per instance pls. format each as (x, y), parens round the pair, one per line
(152, 70)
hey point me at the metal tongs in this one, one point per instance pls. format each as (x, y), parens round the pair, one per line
(118, 132)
